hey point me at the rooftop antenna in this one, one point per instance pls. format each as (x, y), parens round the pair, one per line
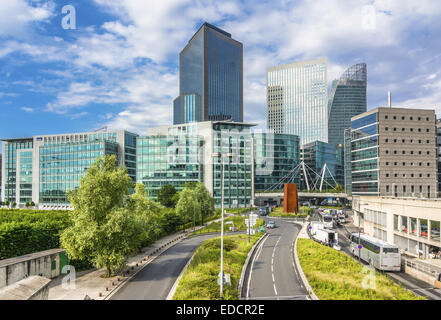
(389, 99)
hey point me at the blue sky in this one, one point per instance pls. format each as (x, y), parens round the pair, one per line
(119, 67)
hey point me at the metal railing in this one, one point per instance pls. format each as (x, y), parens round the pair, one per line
(419, 267)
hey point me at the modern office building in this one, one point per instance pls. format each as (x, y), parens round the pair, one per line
(297, 100)
(347, 99)
(316, 155)
(393, 153)
(43, 168)
(275, 158)
(438, 151)
(410, 223)
(210, 78)
(347, 156)
(185, 152)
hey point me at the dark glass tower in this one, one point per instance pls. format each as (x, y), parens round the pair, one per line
(347, 99)
(210, 78)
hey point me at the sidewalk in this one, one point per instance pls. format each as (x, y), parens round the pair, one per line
(92, 282)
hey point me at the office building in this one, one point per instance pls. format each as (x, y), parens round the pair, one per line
(210, 78)
(347, 158)
(275, 158)
(410, 223)
(347, 99)
(316, 155)
(42, 169)
(438, 151)
(183, 153)
(297, 100)
(393, 153)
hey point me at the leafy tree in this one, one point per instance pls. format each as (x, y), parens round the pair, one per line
(190, 184)
(205, 200)
(338, 188)
(32, 204)
(14, 204)
(104, 231)
(188, 206)
(167, 196)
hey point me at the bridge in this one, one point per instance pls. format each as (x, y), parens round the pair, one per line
(278, 196)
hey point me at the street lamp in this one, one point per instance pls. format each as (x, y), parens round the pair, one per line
(219, 155)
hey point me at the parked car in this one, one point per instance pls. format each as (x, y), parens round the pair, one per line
(271, 225)
(263, 211)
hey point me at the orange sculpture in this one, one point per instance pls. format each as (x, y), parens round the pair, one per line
(291, 198)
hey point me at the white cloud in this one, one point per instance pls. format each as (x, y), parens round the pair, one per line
(27, 109)
(131, 60)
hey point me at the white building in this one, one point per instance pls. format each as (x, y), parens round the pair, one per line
(410, 223)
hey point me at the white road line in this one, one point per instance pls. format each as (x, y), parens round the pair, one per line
(259, 250)
(272, 263)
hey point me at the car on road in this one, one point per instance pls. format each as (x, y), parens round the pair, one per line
(271, 224)
(263, 211)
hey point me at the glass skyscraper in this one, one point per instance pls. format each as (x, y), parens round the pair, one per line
(210, 78)
(297, 100)
(347, 99)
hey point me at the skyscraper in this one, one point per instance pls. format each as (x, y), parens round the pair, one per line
(347, 99)
(297, 100)
(210, 78)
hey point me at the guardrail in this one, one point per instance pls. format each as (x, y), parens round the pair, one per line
(419, 267)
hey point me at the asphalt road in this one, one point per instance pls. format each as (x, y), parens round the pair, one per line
(155, 281)
(272, 274)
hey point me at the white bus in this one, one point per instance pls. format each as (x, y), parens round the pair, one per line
(378, 253)
(328, 221)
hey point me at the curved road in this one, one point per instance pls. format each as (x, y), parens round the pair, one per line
(272, 274)
(155, 280)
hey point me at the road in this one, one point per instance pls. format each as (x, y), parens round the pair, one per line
(272, 274)
(155, 281)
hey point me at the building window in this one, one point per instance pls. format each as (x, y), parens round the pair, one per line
(387, 189)
(434, 230)
(424, 230)
(395, 117)
(402, 118)
(396, 227)
(413, 226)
(404, 224)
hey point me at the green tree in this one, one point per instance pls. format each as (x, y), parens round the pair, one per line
(103, 230)
(167, 196)
(205, 200)
(338, 188)
(188, 206)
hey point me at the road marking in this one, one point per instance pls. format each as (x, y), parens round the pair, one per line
(272, 264)
(259, 250)
(281, 297)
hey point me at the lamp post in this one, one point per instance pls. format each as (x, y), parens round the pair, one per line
(219, 155)
(359, 228)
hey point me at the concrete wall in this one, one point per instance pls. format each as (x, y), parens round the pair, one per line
(31, 288)
(16, 269)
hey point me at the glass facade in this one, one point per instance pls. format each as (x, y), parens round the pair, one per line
(347, 99)
(235, 139)
(316, 155)
(364, 155)
(275, 156)
(163, 160)
(63, 165)
(11, 149)
(347, 162)
(25, 177)
(297, 100)
(211, 74)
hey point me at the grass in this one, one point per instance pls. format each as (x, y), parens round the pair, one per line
(239, 223)
(278, 212)
(199, 281)
(335, 276)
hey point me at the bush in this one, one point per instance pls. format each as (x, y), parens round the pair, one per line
(28, 231)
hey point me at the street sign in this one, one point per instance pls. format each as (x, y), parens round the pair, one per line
(360, 246)
(227, 278)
